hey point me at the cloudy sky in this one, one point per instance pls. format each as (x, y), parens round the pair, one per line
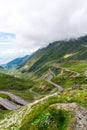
(26, 25)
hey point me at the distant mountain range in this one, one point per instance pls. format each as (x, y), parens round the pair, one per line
(1, 67)
(14, 63)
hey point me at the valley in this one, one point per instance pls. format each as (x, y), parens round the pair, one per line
(46, 90)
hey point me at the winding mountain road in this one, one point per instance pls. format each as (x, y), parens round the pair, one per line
(52, 74)
(76, 73)
(12, 106)
(72, 71)
(54, 84)
(8, 104)
(15, 98)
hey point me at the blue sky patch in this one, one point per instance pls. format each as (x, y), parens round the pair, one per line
(7, 37)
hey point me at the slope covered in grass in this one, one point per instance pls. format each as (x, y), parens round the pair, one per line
(10, 82)
(43, 115)
(56, 52)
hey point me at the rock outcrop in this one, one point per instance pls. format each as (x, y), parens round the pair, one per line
(80, 118)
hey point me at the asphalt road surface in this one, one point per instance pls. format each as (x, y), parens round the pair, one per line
(15, 98)
(8, 104)
(54, 84)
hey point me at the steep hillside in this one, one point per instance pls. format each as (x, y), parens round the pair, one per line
(10, 82)
(17, 86)
(53, 112)
(58, 52)
(57, 89)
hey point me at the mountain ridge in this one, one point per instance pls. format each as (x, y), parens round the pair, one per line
(14, 63)
(56, 52)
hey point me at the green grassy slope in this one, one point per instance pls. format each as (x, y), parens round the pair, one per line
(26, 88)
(43, 115)
(17, 86)
(10, 82)
(70, 54)
(57, 52)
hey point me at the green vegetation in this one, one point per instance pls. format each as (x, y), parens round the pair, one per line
(17, 86)
(25, 94)
(10, 82)
(51, 119)
(44, 117)
(32, 84)
(26, 88)
(79, 66)
(67, 80)
(3, 114)
(59, 52)
(3, 70)
(64, 81)
(68, 55)
(43, 87)
(4, 96)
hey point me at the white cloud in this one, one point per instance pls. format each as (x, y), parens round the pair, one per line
(14, 52)
(38, 22)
